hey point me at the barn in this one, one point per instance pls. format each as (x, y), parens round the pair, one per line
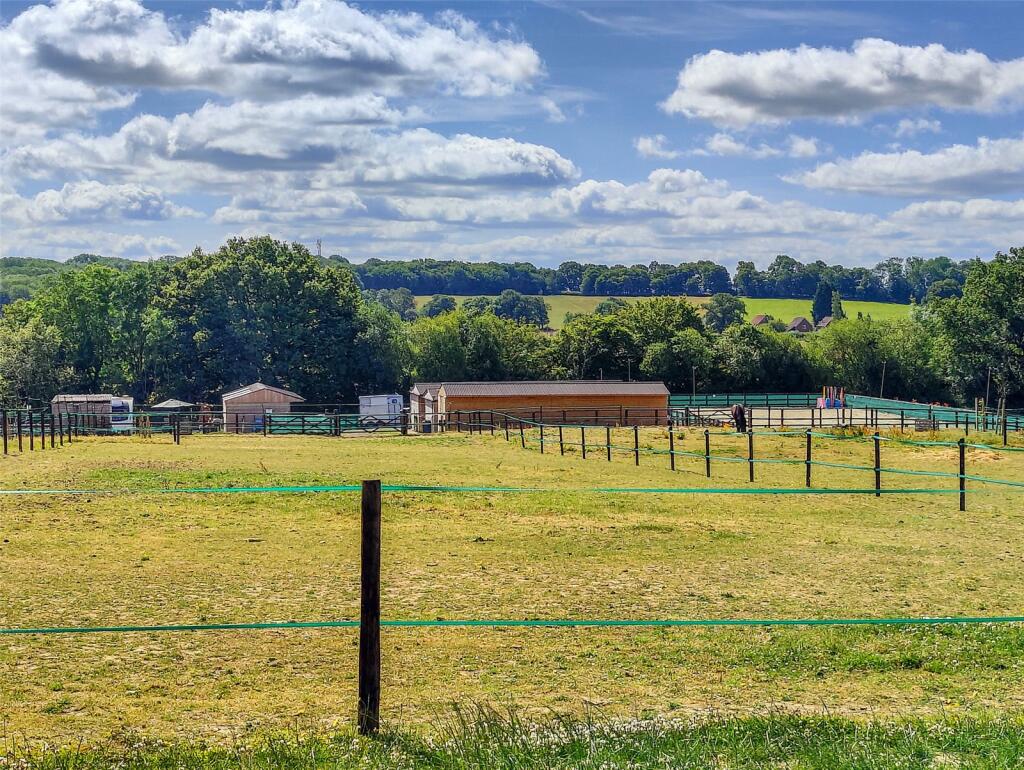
(601, 402)
(243, 408)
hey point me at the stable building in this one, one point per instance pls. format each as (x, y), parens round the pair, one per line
(600, 402)
(423, 404)
(243, 409)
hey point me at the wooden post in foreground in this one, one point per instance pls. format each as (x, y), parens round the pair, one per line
(963, 481)
(807, 460)
(608, 441)
(3, 419)
(368, 711)
(636, 444)
(878, 466)
(750, 452)
(707, 453)
(671, 448)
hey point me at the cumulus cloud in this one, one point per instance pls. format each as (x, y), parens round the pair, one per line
(727, 144)
(654, 147)
(784, 84)
(989, 167)
(92, 201)
(975, 209)
(912, 127)
(73, 59)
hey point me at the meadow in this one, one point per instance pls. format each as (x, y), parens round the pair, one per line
(133, 555)
(783, 309)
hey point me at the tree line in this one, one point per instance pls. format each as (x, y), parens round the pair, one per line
(894, 280)
(259, 309)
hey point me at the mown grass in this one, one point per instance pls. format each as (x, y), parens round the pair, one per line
(782, 309)
(147, 558)
(487, 740)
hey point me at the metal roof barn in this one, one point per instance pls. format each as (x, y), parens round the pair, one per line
(244, 408)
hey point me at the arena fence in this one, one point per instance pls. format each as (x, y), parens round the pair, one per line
(370, 624)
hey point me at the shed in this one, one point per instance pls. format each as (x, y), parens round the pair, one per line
(824, 322)
(800, 325)
(420, 395)
(99, 404)
(760, 319)
(566, 401)
(244, 408)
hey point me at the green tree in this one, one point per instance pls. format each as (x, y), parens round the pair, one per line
(724, 310)
(593, 346)
(837, 312)
(821, 305)
(518, 307)
(29, 356)
(681, 362)
(610, 306)
(437, 305)
(383, 355)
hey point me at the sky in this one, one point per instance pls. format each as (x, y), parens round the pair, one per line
(543, 131)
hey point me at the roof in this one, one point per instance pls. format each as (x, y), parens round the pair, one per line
(799, 321)
(62, 398)
(237, 393)
(824, 322)
(759, 319)
(554, 388)
(422, 388)
(171, 403)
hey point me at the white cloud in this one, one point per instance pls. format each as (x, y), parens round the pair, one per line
(654, 147)
(68, 61)
(912, 127)
(63, 242)
(975, 209)
(91, 201)
(727, 144)
(784, 84)
(990, 166)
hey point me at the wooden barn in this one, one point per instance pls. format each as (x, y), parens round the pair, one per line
(244, 408)
(601, 402)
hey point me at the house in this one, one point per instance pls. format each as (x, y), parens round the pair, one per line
(243, 408)
(422, 398)
(800, 325)
(823, 322)
(601, 402)
(761, 319)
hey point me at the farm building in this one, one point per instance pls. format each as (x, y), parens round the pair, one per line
(422, 402)
(82, 403)
(800, 325)
(823, 323)
(243, 409)
(761, 319)
(567, 401)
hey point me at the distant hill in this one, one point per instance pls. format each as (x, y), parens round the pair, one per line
(21, 277)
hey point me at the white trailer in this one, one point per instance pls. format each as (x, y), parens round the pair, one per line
(383, 409)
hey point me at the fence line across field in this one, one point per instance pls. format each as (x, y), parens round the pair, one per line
(370, 623)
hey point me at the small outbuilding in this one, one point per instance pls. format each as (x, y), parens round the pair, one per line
(172, 405)
(823, 323)
(761, 319)
(800, 325)
(566, 401)
(244, 408)
(422, 400)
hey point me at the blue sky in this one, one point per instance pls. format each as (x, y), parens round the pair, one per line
(543, 131)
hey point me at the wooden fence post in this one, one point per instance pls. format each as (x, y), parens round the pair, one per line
(583, 441)
(707, 452)
(636, 443)
(31, 432)
(671, 448)
(506, 429)
(963, 480)
(542, 438)
(3, 417)
(20, 439)
(807, 460)
(368, 709)
(53, 435)
(878, 466)
(1004, 430)
(608, 441)
(522, 434)
(561, 444)
(750, 452)
(60, 432)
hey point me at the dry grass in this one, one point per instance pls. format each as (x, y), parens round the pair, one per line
(148, 558)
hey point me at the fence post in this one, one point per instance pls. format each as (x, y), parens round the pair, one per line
(31, 432)
(561, 445)
(750, 452)
(583, 440)
(1004, 432)
(522, 434)
(70, 421)
(608, 441)
(542, 438)
(368, 710)
(3, 417)
(769, 415)
(636, 443)
(963, 481)
(903, 420)
(671, 448)
(807, 461)
(878, 466)
(707, 452)
(506, 429)
(60, 418)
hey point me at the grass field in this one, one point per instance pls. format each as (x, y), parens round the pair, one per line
(784, 309)
(150, 558)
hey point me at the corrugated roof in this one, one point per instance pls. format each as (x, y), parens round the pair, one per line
(259, 386)
(554, 388)
(79, 397)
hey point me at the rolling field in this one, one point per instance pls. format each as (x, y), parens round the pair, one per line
(784, 309)
(143, 557)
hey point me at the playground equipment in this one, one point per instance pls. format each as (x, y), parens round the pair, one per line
(832, 397)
